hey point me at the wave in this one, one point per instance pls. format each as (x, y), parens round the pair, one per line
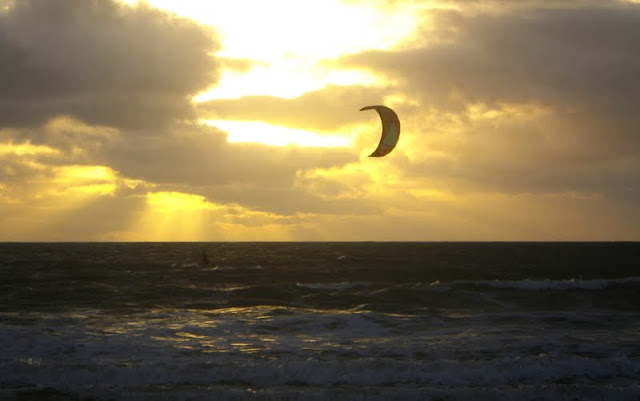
(263, 353)
(438, 286)
(346, 285)
(540, 285)
(167, 376)
(229, 268)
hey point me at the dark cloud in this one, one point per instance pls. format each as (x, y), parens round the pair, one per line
(577, 61)
(201, 156)
(101, 62)
(199, 160)
(325, 109)
(556, 56)
(287, 200)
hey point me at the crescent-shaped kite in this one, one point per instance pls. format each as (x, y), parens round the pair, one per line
(390, 130)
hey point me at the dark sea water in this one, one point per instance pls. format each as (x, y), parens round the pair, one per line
(320, 321)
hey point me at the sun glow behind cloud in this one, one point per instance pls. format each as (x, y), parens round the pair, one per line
(284, 46)
(286, 78)
(313, 30)
(267, 134)
(286, 40)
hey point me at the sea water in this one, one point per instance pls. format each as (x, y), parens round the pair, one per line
(320, 321)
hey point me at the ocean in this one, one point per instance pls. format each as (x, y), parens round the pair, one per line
(320, 321)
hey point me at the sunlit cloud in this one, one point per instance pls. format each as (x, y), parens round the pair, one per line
(26, 148)
(171, 202)
(267, 134)
(84, 180)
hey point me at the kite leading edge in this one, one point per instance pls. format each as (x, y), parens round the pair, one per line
(390, 130)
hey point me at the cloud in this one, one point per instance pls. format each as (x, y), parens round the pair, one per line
(188, 158)
(325, 110)
(200, 155)
(533, 54)
(197, 159)
(528, 98)
(101, 62)
(519, 122)
(101, 83)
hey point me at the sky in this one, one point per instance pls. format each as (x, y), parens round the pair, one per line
(188, 120)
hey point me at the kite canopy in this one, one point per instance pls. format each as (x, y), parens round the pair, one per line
(390, 130)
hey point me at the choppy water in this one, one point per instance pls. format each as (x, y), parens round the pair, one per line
(320, 321)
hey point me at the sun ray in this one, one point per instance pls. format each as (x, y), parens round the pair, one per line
(179, 216)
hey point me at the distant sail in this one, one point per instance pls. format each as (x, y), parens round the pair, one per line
(390, 130)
